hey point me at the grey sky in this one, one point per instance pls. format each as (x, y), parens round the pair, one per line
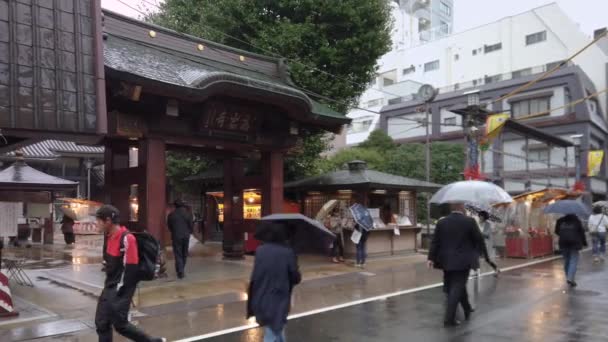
(590, 14)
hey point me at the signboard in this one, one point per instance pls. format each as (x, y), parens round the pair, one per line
(227, 117)
(9, 215)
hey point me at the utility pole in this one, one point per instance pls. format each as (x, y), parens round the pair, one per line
(427, 94)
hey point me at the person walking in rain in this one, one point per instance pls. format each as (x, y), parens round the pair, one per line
(275, 274)
(598, 222)
(67, 228)
(334, 224)
(454, 249)
(571, 240)
(122, 258)
(180, 225)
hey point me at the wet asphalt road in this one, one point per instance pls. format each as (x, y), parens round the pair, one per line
(530, 304)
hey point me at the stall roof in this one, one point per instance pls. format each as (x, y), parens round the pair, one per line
(357, 176)
(20, 176)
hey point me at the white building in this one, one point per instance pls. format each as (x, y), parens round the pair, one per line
(511, 47)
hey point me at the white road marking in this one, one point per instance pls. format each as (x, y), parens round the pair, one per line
(357, 302)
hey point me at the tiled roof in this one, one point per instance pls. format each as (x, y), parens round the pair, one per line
(26, 178)
(50, 149)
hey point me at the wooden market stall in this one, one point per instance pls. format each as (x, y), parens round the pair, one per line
(390, 198)
(82, 212)
(529, 232)
(33, 192)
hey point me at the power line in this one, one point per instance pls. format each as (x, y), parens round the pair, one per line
(551, 71)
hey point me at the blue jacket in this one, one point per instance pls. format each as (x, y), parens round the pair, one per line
(275, 273)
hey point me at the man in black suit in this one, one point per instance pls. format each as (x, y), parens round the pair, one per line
(454, 250)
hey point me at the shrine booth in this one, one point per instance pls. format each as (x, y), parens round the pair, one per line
(391, 200)
(26, 197)
(169, 91)
(528, 231)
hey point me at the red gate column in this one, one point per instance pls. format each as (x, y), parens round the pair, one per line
(233, 209)
(272, 192)
(151, 192)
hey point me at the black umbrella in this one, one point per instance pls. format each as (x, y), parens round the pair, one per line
(303, 233)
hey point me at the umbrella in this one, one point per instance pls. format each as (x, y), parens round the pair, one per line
(602, 204)
(69, 213)
(304, 233)
(473, 192)
(566, 207)
(478, 208)
(362, 216)
(326, 209)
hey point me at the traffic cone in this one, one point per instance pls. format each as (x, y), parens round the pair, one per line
(6, 300)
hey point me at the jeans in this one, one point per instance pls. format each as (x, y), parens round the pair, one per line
(271, 336)
(361, 248)
(337, 250)
(570, 263)
(599, 243)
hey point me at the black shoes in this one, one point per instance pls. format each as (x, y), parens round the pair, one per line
(451, 324)
(467, 314)
(572, 283)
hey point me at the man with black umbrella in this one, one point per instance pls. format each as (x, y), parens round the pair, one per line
(180, 224)
(454, 249)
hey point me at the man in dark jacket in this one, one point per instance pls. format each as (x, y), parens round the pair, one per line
(180, 224)
(275, 273)
(121, 258)
(571, 240)
(454, 249)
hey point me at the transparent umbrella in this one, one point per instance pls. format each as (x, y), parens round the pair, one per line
(482, 193)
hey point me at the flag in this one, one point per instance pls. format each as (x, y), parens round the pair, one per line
(494, 125)
(594, 162)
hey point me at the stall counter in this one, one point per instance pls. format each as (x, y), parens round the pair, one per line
(383, 242)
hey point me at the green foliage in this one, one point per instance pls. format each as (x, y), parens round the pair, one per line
(379, 140)
(320, 39)
(184, 164)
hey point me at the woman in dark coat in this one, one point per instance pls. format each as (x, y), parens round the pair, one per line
(275, 273)
(67, 228)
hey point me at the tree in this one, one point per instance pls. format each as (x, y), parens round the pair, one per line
(184, 164)
(380, 141)
(331, 46)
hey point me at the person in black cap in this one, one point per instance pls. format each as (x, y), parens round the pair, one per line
(180, 225)
(122, 259)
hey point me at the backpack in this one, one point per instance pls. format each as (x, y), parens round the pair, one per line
(569, 234)
(148, 250)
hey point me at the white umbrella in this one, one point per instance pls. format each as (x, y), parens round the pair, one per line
(471, 191)
(326, 209)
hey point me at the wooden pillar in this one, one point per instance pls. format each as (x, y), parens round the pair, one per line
(233, 209)
(151, 191)
(116, 177)
(272, 193)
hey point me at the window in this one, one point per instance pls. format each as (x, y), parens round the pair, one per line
(387, 81)
(552, 65)
(536, 37)
(360, 125)
(450, 121)
(474, 52)
(524, 108)
(445, 8)
(492, 79)
(443, 26)
(409, 70)
(492, 48)
(456, 57)
(539, 155)
(373, 103)
(430, 66)
(521, 73)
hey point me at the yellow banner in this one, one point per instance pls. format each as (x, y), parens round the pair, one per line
(594, 162)
(494, 125)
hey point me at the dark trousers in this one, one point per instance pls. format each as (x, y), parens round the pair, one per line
(337, 250)
(113, 311)
(180, 252)
(69, 238)
(457, 293)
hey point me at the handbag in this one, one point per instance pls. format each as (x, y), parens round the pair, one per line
(595, 230)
